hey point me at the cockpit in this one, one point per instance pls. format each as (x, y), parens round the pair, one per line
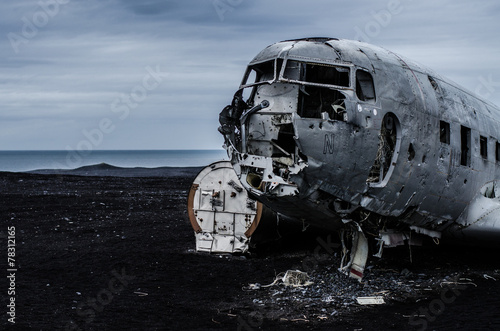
(322, 85)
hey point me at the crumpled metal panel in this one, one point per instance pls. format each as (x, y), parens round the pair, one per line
(332, 146)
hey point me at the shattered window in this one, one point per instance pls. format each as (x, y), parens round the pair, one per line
(364, 86)
(316, 100)
(497, 154)
(434, 84)
(292, 70)
(465, 146)
(317, 73)
(483, 144)
(444, 132)
(258, 73)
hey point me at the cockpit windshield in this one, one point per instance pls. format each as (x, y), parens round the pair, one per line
(316, 73)
(297, 71)
(260, 73)
(307, 73)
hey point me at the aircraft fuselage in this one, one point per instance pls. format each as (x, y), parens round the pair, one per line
(329, 131)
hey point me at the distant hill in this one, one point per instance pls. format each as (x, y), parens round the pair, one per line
(104, 169)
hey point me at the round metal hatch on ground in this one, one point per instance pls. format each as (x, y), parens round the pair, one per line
(222, 214)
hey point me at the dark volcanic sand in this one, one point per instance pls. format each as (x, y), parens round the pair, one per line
(117, 253)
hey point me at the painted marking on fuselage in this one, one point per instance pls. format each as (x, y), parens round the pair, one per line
(328, 145)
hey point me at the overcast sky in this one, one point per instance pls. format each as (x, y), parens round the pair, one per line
(154, 74)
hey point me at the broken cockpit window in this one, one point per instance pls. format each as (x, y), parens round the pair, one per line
(261, 72)
(315, 101)
(257, 74)
(316, 73)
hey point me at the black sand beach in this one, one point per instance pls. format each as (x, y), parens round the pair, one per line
(103, 248)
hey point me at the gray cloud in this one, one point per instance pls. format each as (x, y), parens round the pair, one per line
(62, 74)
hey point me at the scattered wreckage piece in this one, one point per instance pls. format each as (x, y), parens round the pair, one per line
(356, 264)
(370, 300)
(221, 213)
(293, 278)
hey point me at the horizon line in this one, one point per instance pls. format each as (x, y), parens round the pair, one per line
(111, 150)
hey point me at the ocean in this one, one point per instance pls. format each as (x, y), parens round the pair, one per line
(18, 161)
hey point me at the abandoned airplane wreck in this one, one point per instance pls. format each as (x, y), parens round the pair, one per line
(351, 137)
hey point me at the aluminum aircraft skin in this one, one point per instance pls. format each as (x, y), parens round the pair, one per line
(352, 137)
